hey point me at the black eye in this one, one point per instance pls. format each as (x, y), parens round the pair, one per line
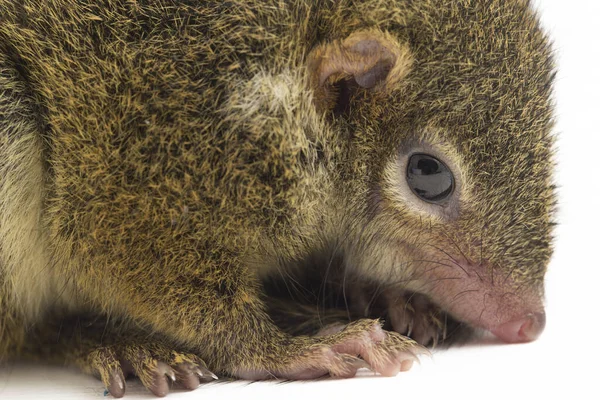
(429, 178)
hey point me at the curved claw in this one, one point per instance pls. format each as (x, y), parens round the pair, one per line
(205, 373)
(157, 380)
(188, 375)
(191, 374)
(166, 370)
(410, 327)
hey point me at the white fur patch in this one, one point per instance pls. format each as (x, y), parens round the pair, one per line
(267, 94)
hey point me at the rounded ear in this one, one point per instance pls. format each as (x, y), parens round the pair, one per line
(369, 59)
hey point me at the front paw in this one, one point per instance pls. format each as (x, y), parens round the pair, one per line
(413, 315)
(361, 344)
(154, 364)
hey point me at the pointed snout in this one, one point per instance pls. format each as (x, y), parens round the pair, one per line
(522, 330)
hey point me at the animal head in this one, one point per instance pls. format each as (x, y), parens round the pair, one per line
(447, 163)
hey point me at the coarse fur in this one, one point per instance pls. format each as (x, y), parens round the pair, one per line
(159, 158)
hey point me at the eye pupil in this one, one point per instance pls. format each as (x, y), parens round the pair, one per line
(427, 167)
(429, 178)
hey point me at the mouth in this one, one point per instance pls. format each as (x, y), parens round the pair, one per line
(513, 313)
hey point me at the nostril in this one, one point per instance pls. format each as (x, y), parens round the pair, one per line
(522, 330)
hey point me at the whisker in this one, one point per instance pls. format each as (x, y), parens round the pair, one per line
(283, 272)
(457, 246)
(446, 253)
(345, 297)
(434, 262)
(375, 295)
(437, 281)
(451, 258)
(484, 305)
(323, 286)
(464, 292)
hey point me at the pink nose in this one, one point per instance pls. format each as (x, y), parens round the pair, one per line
(521, 330)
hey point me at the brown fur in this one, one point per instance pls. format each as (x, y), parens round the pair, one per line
(157, 157)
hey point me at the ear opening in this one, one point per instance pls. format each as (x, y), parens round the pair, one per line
(371, 60)
(338, 98)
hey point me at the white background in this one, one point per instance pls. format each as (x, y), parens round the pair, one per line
(563, 363)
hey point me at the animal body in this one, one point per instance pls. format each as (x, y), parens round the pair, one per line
(165, 164)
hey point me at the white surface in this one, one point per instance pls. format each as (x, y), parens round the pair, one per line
(561, 364)
(541, 370)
